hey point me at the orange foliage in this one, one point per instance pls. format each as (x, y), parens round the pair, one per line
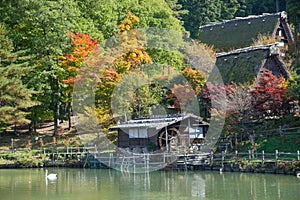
(181, 96)
(195, 78)
(83, 46)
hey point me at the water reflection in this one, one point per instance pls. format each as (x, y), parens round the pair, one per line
(111, 185)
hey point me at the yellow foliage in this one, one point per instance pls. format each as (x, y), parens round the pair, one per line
(104, 117)
(129, 22)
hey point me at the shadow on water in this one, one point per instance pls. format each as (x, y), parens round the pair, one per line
(112, 185)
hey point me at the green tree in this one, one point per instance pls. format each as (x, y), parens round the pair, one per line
(293, 11)
(42, 27)
(200, 13)
(15, 96)
(177, 8)
(204, 12)
(258, 7)
(232, 8)
(108, 14)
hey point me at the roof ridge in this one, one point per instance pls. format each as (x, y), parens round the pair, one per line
(280, 14)
(245, 50)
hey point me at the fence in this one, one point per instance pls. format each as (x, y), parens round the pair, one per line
(280, 131)
(258, 157)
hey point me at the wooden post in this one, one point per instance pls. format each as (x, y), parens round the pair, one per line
(109, 161)
(148, 161)
(280, 130)
(222, 159)
(249, 155)
(166, 131)
(185, 164)
(12, 145)
(298, 155)
(133, 157)
(263, 158)
(276, 158)
(189, 126)
(211, 160)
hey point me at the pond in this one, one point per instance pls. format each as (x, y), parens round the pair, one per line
(104, 184)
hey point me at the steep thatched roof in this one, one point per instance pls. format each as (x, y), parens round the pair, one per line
(243, 65)
(241, 32)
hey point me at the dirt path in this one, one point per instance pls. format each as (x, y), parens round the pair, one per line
(45, 131)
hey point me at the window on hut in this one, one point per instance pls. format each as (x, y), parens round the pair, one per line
(196, 132)
(138, 133)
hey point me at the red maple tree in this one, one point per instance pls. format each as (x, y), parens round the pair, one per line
(83, 46)
(270, 95)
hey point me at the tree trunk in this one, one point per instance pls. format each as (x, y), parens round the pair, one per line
(15, 129)
(69, 115)
(30, 125)
(35, 119)
(34, 122)
(54, 105)
(295, 47)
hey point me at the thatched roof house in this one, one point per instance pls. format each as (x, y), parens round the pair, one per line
(241, 32)
(244, 65)
(162, 132)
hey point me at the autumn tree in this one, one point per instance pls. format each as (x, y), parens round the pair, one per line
(130, 54)
(83, 46)
(185, 90)
(269, 95)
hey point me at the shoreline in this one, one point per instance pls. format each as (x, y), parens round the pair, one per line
(218, 168)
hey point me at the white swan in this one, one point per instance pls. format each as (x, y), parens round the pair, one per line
(298, 174)
(221, 170)
(50, 176)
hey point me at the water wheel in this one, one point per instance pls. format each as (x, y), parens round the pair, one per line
(172, 138)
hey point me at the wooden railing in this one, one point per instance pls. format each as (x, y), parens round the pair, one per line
(279, 132)
(261, 157)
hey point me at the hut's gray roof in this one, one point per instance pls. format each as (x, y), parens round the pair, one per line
(243, 65)
(157, 122)
(240, 32)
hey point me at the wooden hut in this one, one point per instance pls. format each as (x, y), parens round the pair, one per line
(242, 31)
(245, 65)
(161, 132)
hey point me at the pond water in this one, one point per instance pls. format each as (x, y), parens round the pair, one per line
(85, 184)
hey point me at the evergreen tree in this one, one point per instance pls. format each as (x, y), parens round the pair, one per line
(177, 8)
(258, 7)
(230, 8)
(15, 97)
(293, 11)
(204, 12)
